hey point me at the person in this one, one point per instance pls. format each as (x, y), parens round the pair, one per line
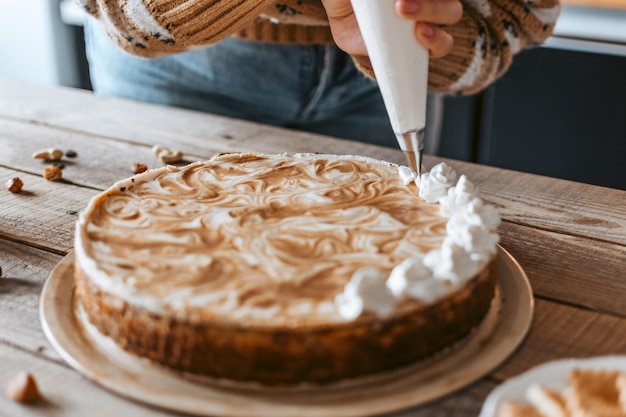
(296, 63)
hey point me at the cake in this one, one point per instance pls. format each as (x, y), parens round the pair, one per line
(286, 269)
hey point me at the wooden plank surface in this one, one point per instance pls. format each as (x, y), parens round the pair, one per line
(541, 202)
(100, 161)
(570, 238)
(570, 269)
(193, 132)
(43, 214)
(560, 331)
(66, 393)
(24, 271)
(552, 204)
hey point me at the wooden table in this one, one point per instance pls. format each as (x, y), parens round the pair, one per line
(570, 238)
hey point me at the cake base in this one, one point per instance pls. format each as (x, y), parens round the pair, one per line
(283, 355)
(494, 340)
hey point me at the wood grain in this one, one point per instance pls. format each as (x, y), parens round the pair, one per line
(65, 392)
(149, 124)
(540, 202)
(43, 214)
(570, 269)
(552, 204)
(100, 161)
(570, 238)
(466, 402)
(560, 331)
(24, 271)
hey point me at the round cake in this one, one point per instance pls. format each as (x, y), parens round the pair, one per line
(286, 269)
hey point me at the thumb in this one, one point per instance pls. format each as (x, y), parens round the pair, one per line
(336, 9)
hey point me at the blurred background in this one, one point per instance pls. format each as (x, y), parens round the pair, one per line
(559, 111)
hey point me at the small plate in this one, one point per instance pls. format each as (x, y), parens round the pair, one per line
(100, 360)
(551, 375)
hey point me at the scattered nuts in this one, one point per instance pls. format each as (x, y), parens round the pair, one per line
(167, 155)
(138, 167)
(71, 153)
(52, 154)
(52, 173)
(15, 185)
(171, 157)
(23, 388)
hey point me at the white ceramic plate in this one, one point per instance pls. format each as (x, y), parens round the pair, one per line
(551, 375)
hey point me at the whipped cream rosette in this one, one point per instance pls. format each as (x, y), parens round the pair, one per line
(470, 243)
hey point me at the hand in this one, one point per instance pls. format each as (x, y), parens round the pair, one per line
(428, 15)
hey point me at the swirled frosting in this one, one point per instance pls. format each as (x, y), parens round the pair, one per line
(259, 240)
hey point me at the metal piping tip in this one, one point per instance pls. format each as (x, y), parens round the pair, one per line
(420, 156)
(412, 144)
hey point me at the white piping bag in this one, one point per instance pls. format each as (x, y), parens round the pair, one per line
(400, 64)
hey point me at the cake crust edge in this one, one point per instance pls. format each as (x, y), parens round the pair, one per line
(286, 356)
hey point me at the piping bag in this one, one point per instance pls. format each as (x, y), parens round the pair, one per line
(400, 64)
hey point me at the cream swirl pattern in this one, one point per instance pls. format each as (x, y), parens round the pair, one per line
(254, 239)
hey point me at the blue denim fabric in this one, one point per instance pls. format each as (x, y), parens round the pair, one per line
(314, 88)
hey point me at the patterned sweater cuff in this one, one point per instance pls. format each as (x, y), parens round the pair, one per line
(163, 27)
(485, 40)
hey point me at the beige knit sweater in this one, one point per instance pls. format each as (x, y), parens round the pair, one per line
(486, 38)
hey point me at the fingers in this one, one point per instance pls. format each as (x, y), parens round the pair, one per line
(429, 15)
(336, 9)
(344, 27)
(438, 12)
(438, 42)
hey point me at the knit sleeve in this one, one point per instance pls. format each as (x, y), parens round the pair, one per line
(158, 27)
(485, 40)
